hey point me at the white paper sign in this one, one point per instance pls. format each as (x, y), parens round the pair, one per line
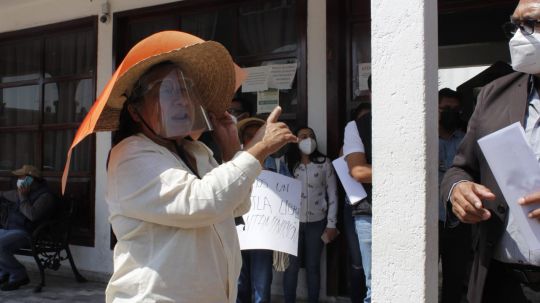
(282, 75)
(517, 173)
(273, 220)
(354, 189)
(257, 79)
(364, 71)
(267, 100)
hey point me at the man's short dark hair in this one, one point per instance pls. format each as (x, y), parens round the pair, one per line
(449, 93)
(246, 105)
(362, 106)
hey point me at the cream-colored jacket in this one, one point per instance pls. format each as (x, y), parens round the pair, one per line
(177, 240)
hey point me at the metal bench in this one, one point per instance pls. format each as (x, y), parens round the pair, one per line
(50, 242)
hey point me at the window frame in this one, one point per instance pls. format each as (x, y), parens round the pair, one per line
(81, 235)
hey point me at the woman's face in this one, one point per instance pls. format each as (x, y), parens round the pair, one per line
(168, 105)
(305, 133)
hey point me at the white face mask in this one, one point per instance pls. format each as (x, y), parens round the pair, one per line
(307, 146)
(525, 52)
(27, 181)
(235, 120)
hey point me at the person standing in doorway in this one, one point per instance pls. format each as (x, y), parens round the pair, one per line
(454, 242)
(255, 281)
(318, 213)
(357, 152)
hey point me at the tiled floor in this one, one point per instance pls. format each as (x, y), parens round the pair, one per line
(65, 289)
(57, 289)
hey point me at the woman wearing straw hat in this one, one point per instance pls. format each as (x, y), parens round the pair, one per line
(171, 205)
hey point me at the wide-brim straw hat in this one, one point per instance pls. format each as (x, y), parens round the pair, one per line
(27, 170)
(207, 63)
(244, 123)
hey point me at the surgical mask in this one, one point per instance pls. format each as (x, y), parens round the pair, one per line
(235, 120)
(27, 181)
(307, 146)
(450, 119)
(525, 52)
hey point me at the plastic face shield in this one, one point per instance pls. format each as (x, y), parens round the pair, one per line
(178, 105)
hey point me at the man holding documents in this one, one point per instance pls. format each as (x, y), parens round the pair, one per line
(504, 258)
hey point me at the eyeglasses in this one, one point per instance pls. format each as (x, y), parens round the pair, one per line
(525, 26)
(235, 111)
(450, 108)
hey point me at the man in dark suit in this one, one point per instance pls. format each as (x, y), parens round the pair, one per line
(503, 261)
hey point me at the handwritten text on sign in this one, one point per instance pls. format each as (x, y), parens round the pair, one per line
(272, 222)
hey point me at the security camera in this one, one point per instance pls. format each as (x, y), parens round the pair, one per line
(104, 18)
(105, 12)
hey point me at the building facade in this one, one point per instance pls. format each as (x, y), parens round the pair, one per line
(54, 64)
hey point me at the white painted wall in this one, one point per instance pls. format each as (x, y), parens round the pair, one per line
(404, 73)
(455, 76)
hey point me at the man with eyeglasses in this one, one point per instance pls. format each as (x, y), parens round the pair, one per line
(503, 261)
(240, 109)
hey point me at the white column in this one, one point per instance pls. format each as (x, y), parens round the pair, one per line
(316, 65)
(404, 58)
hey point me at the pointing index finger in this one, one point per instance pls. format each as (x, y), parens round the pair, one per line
(274, 115)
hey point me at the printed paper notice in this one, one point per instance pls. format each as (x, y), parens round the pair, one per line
(257, 79)
(364, 71)
(282, 75)
(517, 173)
(273, 220)
(267, 100)
(354, 189)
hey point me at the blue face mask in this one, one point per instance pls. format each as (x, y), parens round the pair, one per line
(27, 181)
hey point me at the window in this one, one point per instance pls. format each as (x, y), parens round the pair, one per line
(47, 85)
(256, 33)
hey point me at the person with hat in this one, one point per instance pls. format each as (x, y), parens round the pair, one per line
(255, 281)
(22, 208)
(172, 207)
(247, 128)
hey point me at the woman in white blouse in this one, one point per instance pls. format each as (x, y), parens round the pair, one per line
(318, 210)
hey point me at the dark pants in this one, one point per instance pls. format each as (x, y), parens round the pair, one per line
(310, 248)
(501, 287)
(357, 286)
(255, 276)
(455, 253)
(10, 241)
